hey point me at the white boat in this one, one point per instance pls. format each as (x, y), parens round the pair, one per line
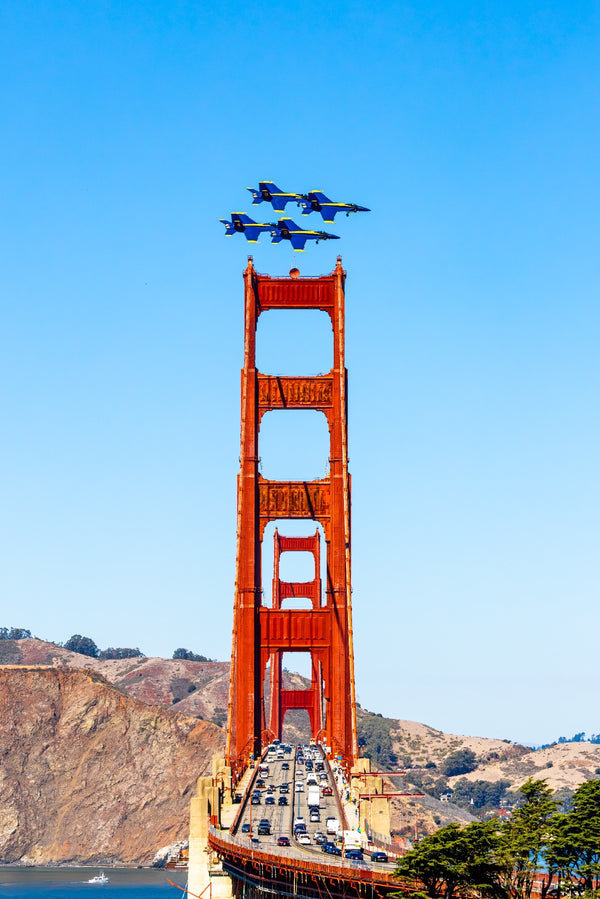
(99, 878)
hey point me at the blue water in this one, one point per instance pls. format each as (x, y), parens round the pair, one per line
(71, 883)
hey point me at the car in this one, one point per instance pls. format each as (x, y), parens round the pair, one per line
(326, 791)
(283, 800)
(263, 829)
(246, 827)
(330, 849)
(303, 839)
(379, 857)
(355, 854)
(315, 817)
(255, 800)
(260, 782)
(299, 828)
(299, 819)
(283, 841)
(299, 787)
(269, 799)
(285, 766)
(319, 838)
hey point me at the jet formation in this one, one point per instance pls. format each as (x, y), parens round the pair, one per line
(286, 228)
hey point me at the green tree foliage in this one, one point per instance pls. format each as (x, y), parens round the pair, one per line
(83, 645)
(456, 860)
(374, 737)
(484, 793)
(14, 633)
(490, 859)
(525, 837)
(573, 853)
(460, 762)
(189, 656)
(121, 652)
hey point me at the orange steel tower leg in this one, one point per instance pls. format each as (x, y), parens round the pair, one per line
(310, 700)
(261, 633)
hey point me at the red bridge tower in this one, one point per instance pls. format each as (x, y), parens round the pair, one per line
(262, 634)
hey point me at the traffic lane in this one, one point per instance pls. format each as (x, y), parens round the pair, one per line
(279, 817)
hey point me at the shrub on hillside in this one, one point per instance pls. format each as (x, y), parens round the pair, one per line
(460, 762)
(85, 646)
(121, 652)
(189, 656)
(479, 794)
(375, 740)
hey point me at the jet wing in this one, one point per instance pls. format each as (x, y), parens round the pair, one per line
(328, 214)
(298, 241)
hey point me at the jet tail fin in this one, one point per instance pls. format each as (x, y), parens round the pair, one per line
(242, 218)
(256, 197)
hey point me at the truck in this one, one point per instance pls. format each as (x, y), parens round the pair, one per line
(333, 825)
(352, 839)
(313, 799)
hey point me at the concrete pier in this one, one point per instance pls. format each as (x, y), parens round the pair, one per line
(206, 877)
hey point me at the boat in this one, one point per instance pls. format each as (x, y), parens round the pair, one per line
(99, 878)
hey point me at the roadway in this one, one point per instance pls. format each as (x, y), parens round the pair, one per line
(288, 771)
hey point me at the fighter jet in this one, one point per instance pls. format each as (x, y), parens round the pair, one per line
(243, 224)
(315, 201)
(269, 193)
(286, 229)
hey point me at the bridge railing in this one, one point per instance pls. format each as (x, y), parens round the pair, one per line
(224, 843)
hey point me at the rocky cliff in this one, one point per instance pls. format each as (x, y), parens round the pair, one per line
(89, 774)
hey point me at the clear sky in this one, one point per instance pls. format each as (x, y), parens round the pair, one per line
(472, 130)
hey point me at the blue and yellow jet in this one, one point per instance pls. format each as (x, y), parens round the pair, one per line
(316, 201)
(242, 224)
(286, 229)
(268, 192)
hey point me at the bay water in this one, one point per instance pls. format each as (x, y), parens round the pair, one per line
(72, 883)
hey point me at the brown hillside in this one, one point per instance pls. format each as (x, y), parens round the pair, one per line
(196, 688)
(89, 774)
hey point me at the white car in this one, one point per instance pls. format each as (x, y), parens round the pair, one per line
(304, 839)
(299, 787)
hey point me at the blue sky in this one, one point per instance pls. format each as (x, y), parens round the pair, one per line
(472, 132)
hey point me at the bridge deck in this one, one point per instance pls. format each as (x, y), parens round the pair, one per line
(255, 857)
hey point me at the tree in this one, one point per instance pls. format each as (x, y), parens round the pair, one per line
(189, 656)
(14, 633)
(482, 794)
(525, 837)
(85, 646)
(375, 739)
(454, 860)
(121, 652)
(574, 850)
(460, 762)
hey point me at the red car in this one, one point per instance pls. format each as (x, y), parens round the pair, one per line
(326, 791)
(283, 841)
